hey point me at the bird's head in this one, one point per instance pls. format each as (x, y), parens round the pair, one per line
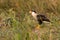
(32, 11)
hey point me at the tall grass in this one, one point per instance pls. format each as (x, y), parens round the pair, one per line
(17, 24)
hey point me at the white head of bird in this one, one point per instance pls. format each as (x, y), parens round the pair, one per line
(33, 13)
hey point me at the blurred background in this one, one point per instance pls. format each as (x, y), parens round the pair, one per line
(17, 24)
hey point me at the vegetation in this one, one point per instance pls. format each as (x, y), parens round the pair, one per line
(17, 24)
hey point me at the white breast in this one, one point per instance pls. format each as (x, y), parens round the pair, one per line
(34, 15)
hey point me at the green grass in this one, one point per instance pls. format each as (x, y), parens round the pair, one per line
(17, 24)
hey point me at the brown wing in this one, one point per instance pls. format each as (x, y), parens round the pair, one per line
(42, 18)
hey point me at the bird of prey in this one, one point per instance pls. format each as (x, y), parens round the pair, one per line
(39, 17)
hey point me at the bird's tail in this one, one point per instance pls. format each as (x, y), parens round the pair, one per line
(48, 20)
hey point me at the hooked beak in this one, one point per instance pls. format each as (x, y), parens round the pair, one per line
(30, 12)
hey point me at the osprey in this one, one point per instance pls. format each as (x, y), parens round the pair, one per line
(39, 17)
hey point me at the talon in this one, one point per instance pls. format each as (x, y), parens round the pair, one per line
(37, 27)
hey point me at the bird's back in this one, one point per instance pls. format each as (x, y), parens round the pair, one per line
(42, 18)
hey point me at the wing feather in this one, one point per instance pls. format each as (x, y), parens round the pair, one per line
(42, 18)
